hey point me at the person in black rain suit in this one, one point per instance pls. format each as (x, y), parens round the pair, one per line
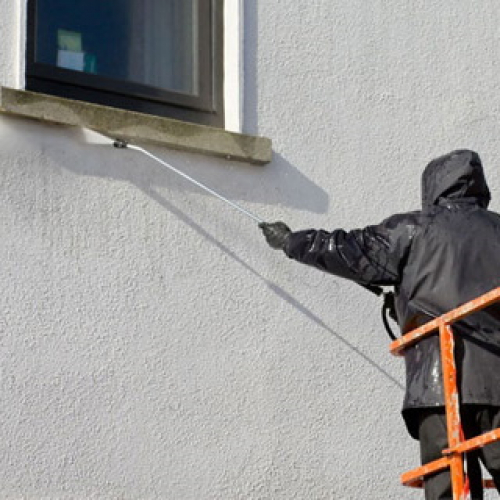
(436, 258)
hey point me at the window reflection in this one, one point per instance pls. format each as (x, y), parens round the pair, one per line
(150, 42)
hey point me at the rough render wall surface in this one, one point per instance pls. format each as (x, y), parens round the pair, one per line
(153, 347)
(9, 32)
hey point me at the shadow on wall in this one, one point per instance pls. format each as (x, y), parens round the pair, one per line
(147, 176)
(279, 291)
(319, 203)
(279, 183)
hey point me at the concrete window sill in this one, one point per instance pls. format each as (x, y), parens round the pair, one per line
(137, 127)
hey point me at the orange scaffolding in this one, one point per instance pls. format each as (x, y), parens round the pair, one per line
(457, 446)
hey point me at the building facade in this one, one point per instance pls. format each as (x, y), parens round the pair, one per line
(152, 345)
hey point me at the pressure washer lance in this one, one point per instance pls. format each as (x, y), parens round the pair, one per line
(388, 306)
(118, 143)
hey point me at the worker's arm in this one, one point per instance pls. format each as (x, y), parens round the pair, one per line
(373, 255)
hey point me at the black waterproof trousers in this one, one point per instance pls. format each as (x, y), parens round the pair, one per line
(476, 419)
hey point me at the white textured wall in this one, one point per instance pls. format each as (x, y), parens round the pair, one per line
(10, 38)
(153, 347)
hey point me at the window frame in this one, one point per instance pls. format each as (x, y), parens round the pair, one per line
(207, 108)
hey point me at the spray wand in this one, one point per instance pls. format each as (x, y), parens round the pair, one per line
(118, 143)
(388, 306)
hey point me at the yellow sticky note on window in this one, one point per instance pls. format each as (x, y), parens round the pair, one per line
(69, 40)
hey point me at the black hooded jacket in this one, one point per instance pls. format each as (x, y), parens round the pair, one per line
(437, 259)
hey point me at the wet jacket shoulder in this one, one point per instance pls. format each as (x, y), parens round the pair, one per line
(374, 255)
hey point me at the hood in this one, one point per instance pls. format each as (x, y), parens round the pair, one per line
(453, 177)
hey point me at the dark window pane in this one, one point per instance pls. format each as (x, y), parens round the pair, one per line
(150, 42)
(163, 57)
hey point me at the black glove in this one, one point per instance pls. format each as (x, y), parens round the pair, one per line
(276, 234)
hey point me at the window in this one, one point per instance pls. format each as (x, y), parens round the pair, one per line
(162, 57)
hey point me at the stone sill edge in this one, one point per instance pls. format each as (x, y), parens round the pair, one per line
(136, 127)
